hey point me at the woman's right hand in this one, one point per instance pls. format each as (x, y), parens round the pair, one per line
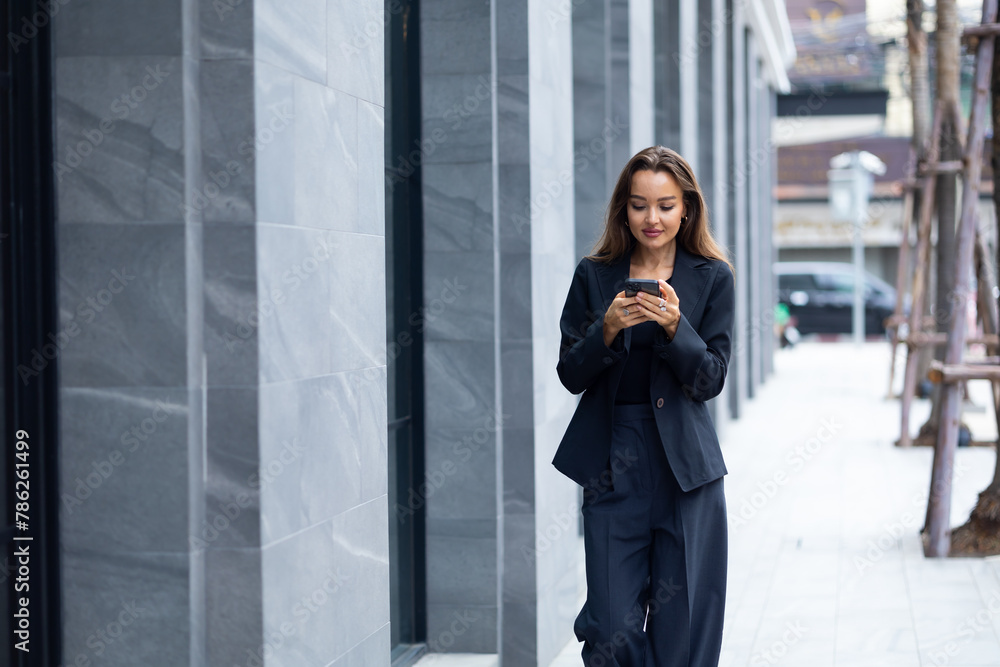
(615, 319)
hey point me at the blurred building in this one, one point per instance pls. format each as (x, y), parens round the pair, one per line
(850, 91)
(308, 263)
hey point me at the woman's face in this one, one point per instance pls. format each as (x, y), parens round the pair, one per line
(655, 207)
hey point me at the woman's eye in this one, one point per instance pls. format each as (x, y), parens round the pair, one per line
(666, 208)
(638, 208)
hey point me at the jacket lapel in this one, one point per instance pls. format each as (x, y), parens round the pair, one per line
(689, 279)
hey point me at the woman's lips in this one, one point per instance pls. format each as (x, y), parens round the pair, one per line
(652, 233)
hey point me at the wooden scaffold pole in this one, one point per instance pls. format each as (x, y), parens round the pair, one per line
(938, 537)
(919, 288)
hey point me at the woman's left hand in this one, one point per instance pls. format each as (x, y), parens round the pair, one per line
(666, 311)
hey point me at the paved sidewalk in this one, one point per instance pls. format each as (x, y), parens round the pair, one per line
(826, 568)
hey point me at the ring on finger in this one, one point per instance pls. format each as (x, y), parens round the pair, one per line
(661, 302)
(625, 311)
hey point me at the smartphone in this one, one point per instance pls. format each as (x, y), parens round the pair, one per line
(635, 285)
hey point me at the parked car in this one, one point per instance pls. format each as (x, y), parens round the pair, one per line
(820, 297)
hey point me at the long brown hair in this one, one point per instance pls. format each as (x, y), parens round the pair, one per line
(694, 234)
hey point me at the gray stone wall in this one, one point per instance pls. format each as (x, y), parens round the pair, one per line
(553, 259)
(222, 293)
(223, 393)
(498, 203)
(321, 242)
(130, 410)
(464, 417)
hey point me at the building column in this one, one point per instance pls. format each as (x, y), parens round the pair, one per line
(600, 110)
(768, 254)
(721, 156)
(498, 209)
(131, 386)
(739, 366)
(233, 383)
(465, 417)
(642, 86)
(758, 170)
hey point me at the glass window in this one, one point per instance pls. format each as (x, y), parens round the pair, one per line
(404, 351)
(796, 281)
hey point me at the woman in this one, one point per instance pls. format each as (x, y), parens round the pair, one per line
(641, 442)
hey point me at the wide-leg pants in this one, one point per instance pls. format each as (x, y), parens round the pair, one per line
(656, 558)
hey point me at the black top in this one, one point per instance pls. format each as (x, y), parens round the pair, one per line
(635, 381)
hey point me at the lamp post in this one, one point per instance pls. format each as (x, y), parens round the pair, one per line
(851, 177)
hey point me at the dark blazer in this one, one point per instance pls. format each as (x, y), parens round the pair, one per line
(687, 370)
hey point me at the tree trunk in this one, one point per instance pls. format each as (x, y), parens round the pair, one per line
(980, 535)
(916, 40)
(947, 38)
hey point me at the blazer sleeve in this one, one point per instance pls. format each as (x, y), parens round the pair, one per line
(583, 356)
(700, 359)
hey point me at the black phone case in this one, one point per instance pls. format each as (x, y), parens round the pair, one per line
(636, 285)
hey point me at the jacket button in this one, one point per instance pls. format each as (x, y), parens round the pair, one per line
(659, 402)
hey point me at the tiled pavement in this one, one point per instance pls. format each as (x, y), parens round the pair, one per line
(826, 568)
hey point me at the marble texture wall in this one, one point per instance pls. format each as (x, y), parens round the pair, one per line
(739, 367)
(223, 400)
(318, 99)
(718, 139)
(498, 202)
(516, 75)
(592, 62)
(130, 414)
(465, 415)
(552, 260)
(669, 94)
(222, 248)
(641, 80)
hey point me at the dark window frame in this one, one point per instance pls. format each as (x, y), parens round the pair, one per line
(28, 267)
(405, 363)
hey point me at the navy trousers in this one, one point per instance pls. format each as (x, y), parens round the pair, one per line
(656, 558)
